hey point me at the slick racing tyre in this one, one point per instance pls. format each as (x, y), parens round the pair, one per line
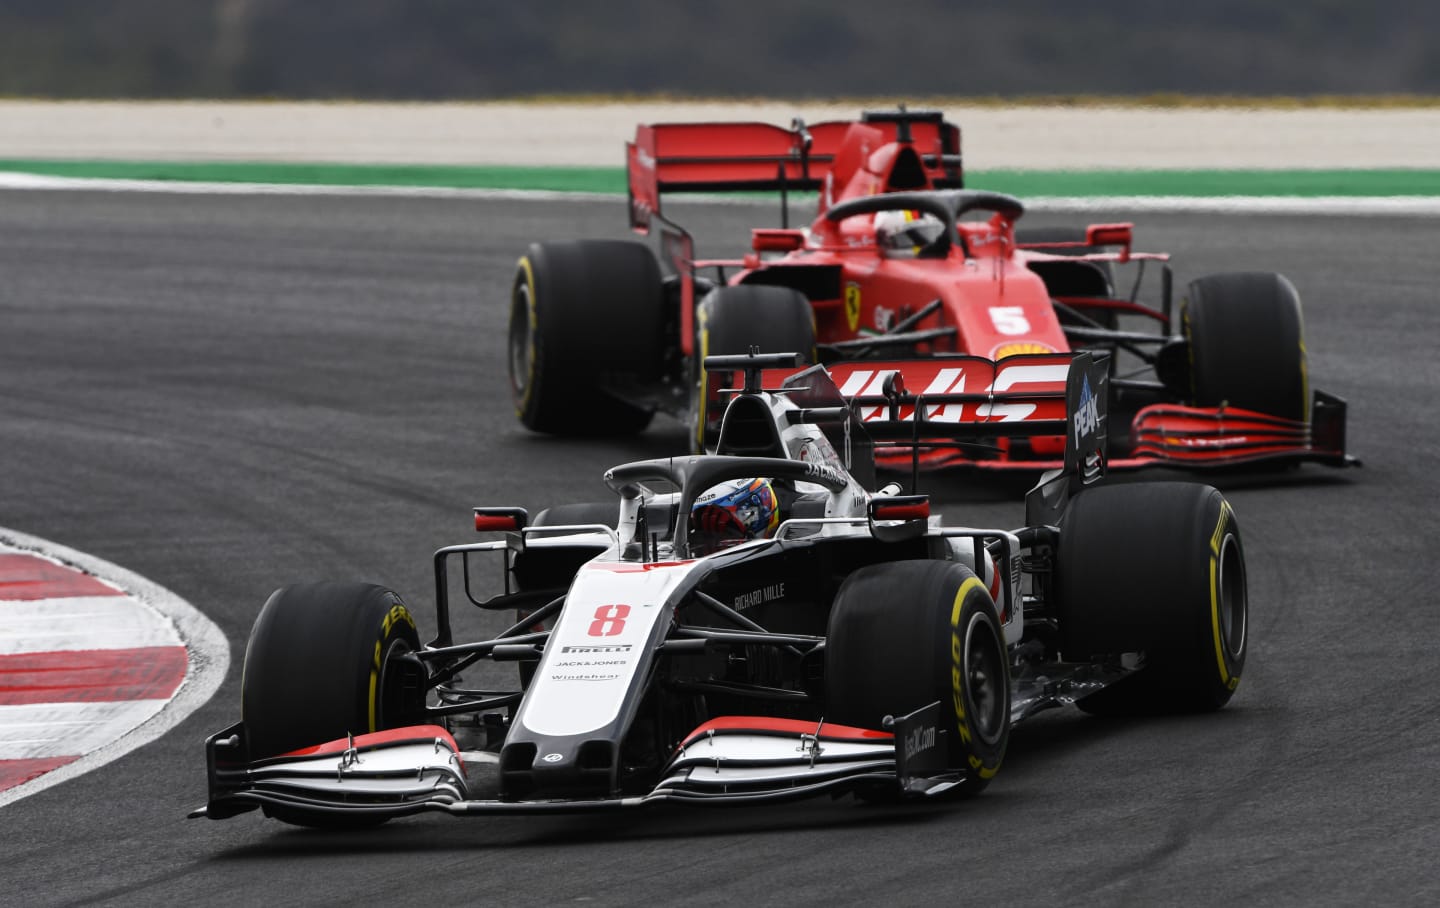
(326, 660)
(731, 320)
(1157, 569)
(586, 316)
(907, 634)
(1247, 344)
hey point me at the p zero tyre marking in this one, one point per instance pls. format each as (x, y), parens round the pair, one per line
(1215, 627)
(533, 320)
(957, 657)
(959, 682)
(397, 614)
(701, 410)
(1220, 543)
(374, 687)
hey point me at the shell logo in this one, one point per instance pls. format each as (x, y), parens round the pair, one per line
(1018, 349)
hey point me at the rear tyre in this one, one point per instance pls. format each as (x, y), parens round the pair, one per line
(585, 315)
(1158, 569)
(325, 660)
(731, 321)
(1247, 344)
(906, 634)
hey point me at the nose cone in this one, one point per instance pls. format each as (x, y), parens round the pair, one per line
(558, 767)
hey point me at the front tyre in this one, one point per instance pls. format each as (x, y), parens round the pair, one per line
(326, 660)
(1247, 344)
(1158, 569)
(906, 634)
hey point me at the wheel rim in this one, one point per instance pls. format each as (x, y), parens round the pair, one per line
(1233, 608)
(522, 346)
(391, 704)
(985, 678)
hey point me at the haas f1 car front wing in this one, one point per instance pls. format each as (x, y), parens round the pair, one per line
(728, 760)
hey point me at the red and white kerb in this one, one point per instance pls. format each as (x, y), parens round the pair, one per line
(81, 664)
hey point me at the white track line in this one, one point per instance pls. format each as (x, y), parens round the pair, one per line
(82, 623)
(1340, 205)
(208, 653)
(39, 730)
(1428, 206)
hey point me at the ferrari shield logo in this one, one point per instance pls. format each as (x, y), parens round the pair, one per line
(852, 305)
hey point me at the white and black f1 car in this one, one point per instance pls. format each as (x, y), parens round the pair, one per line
(853, 644)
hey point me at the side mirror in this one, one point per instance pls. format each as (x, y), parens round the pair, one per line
(498, 520)
(1121, 235)
(898, 518)
(770, 239)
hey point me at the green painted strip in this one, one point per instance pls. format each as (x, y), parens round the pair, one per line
(611, 180)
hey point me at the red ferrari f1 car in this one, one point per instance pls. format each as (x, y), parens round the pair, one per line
(757, 624)
(604, 333)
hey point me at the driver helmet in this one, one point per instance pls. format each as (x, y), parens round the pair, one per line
(735, 511)
(905, 233)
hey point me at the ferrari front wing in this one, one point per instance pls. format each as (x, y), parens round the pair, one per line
(1170, 435)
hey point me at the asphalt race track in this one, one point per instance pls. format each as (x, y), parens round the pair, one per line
(225, 394)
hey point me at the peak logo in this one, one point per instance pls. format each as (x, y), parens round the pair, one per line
(1087, 412)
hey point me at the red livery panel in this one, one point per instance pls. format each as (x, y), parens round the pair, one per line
(92, 676)
(900, 261)
(30, 577)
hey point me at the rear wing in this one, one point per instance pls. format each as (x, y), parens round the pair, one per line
(954, 400)
(760, 157)
(922, 402)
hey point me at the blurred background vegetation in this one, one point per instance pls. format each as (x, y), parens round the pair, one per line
(487, 49)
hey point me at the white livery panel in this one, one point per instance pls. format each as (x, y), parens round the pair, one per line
(598, 644)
